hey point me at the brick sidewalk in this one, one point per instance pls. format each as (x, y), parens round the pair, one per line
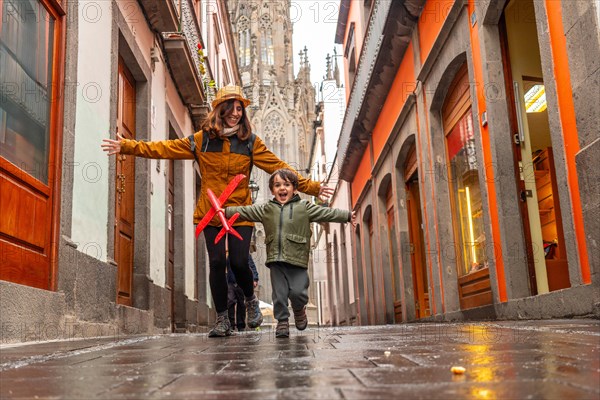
(510, 360)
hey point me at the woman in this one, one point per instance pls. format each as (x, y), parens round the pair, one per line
(225, 147)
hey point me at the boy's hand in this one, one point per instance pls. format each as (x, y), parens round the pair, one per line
(112, 146)
(353, 219)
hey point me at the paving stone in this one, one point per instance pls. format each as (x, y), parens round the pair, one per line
(175, 367)
(287, 394)
(518, 390)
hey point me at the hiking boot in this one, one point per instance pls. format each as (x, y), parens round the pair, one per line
(255, 317)
(283, 329)
(300, 319)
(222, 327)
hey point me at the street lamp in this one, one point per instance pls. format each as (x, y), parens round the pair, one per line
(254, 188)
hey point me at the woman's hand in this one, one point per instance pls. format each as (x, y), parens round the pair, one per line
(112, 146)
(325, 192)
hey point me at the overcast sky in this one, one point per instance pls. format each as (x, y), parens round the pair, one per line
(315, 22)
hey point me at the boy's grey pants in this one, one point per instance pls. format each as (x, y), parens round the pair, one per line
(291, 282)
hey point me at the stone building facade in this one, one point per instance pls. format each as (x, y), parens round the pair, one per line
(92, 245)
(466, 149)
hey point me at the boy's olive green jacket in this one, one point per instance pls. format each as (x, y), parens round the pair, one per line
(287, 227)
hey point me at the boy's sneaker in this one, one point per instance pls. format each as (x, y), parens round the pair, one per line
(222, 327)
(255, 317)
(283, 329)
(300, 319)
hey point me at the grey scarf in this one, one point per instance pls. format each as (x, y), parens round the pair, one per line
(228, 132)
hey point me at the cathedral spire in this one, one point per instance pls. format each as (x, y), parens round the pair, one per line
(305, 65)
(328, 67)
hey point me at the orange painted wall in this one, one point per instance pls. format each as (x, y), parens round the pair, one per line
(363, 174)
(404, 84)
(487, 156)
(430, 23)
(566, 110)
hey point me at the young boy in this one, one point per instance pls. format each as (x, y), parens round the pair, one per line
(287, 220)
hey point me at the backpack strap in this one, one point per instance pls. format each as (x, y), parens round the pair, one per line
(251, 141)
(250, 145)
(193, 148)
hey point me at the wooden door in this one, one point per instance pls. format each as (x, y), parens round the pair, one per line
(555, 251)
(125, 188)
(393, 252)
(30, 137)
(417, 248)
(375, 307)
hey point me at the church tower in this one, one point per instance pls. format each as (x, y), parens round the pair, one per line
(282, 109)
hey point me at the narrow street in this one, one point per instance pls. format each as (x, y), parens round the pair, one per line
(551, 359)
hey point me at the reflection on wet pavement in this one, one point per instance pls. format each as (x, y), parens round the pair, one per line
(524, 359)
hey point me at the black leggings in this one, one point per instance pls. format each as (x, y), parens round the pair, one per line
(238, 260)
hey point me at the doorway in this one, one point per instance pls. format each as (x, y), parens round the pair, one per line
(369, 272)
(415, 234)
(125, 187)
(533, 154)
(394, 259)
(466, 202)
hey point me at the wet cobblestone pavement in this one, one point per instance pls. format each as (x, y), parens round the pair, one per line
(558, 359)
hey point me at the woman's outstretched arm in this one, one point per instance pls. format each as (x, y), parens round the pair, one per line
(170, 149)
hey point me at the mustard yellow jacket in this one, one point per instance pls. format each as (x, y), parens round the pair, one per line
(220, 161)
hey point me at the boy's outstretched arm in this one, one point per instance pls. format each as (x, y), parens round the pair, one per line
(324, 214)
(252, 213)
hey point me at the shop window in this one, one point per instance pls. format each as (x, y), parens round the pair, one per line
(26, 61)
(467, 206)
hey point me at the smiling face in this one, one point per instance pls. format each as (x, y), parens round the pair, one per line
(232, 118)
(282, 190)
